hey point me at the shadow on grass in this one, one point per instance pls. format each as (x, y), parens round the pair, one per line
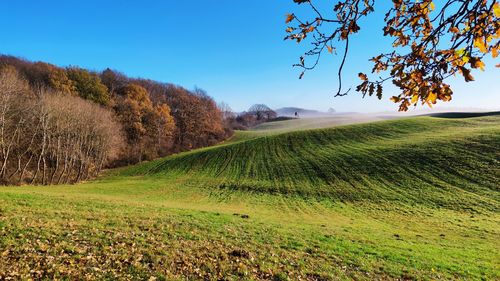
(464, 114)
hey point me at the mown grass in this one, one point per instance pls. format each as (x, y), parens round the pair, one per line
(406, 199)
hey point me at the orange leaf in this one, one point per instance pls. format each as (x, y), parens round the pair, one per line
(481, 45)
(479, 64)
(494, 52)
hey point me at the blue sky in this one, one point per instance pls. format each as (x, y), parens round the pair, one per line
(233, 49)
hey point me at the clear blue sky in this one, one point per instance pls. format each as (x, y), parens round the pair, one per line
(233, 49)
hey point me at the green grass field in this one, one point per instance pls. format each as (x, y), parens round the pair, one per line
(414, 198)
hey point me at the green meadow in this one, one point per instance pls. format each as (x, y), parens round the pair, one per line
(414, 199)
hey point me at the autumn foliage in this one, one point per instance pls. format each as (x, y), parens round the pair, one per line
(61, 125)
(48, 138)
(149, 129)
(431, 42)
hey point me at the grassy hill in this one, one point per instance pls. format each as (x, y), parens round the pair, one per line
(438, 162)
(315, 123)
(415, 198)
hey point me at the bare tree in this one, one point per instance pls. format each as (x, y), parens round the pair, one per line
(52, 138)
(262, 112)
(12, 117)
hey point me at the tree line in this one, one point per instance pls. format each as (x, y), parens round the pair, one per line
(64, 125)
(255, 115)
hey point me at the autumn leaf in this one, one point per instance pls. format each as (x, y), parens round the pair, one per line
(414, 99)
(466, 73)
(496, 9)
(432, 97)
(362, 76)
(494, 52)
(379, 91)
(479, 64)
(289, 18)
(330, 49)
(481, 45)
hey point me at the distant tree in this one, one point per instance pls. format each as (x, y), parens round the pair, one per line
(158, 92)
(227, 111)
(246, 120)
(137, 93)
(432, 41)
(262, 112)
(199, 121)
(131, 106)
(129, 113)
(41, 75)
(214, 130)
(113, 80)
(165, 126)
(149, 129)
(60, 82)
(213, 125)
(89, 85)
(229, 118)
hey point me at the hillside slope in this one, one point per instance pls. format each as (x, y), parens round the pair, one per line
(413, 199)
(452, 163)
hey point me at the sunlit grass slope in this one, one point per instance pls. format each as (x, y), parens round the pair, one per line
(409, 199)
(438, 162)
(315, 123)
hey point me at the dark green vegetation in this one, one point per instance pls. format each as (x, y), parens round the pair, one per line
(465, 114)
(414, 199)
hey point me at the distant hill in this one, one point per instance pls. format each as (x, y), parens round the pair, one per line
(290, 111)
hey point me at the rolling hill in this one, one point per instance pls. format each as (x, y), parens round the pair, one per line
(414, 198)
(441, 162)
